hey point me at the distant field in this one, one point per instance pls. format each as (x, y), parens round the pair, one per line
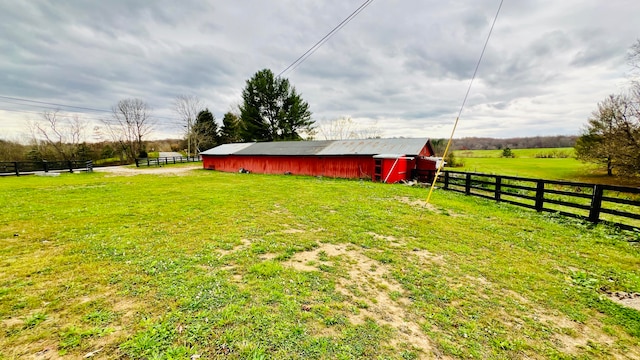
(201, 264)
(519, 153)
(537, 163)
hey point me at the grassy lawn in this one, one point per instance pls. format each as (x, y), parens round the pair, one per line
(520, 153)
(532, 163)
(224, 265)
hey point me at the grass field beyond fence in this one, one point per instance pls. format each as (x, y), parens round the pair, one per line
(246, 266)
(545, 163)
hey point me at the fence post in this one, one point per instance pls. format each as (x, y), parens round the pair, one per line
(137, 164)
(498, 188)
(45, 165)
(16, 168)
(70, 164)
(467, 184)
(596, 204)
(446, 180)
(539, 195)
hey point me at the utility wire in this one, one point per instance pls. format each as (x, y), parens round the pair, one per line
(321, 42)
(65, 106)
(464, 101)
(53, 104)
(162, 123)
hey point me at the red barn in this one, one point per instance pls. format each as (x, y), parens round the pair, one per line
(384, 160)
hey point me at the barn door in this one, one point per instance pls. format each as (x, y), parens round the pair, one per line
(377, 170)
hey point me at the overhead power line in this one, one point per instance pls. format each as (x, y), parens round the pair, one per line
(464, 101)
(321, 42)
(64, 106)
(163, 123)
(53, 104)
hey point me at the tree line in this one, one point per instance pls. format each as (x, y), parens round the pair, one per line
(271, 110)
(532, 142)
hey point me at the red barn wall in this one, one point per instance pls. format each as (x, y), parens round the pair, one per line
(331, 166)
(394, 171)
(343, 166)
(425, 151)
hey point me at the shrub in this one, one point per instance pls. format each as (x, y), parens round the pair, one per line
(507, 153)
(453, 161)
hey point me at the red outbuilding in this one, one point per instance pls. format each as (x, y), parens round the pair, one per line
(382, 160)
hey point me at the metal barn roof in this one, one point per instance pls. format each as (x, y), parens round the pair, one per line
(323, 148)
(374, 147)
(284, 148)
(226, 149)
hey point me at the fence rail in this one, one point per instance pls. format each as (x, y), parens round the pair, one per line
(166, 160)
(18, 168)
(617, 205)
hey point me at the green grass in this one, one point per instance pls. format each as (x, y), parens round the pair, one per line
(539, 164)
(519, 153)
(561, 169)
(268, 267)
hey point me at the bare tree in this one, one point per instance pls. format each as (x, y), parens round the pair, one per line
(633, 56)
(188, 107)
(63, 134)
(130, 124)
(338, 129)
(612, 136)
(346, 128)
(372, 131)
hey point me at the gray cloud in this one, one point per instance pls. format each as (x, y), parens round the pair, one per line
(404, 65)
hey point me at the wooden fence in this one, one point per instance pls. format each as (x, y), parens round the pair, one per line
(18, 168)
(616, 205)
(166, 160)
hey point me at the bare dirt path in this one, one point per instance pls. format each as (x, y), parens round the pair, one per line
(169, 154)
(161, 170)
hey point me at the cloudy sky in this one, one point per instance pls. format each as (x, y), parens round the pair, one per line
(400, 66)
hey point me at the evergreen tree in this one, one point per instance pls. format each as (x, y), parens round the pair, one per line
(205, 133)
(230, 131)
(272, 110)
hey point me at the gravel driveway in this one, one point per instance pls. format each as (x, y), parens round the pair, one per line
(130, 171)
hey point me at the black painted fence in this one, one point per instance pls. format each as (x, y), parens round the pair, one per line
(166, 160)
(617, 205)
(32, 167)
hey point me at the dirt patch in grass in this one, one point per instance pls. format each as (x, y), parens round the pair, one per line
(429, 257)
(293, 231)
(268, 256)
(125, 309)
(574, 338)
(392, 240)
(422, 204)
(369, 287)
(244, 243)
(11, 322)
(571, 337)
(417, 203)
(630, 300)
(48, 352)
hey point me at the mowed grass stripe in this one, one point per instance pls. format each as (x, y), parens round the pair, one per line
(256, 266)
